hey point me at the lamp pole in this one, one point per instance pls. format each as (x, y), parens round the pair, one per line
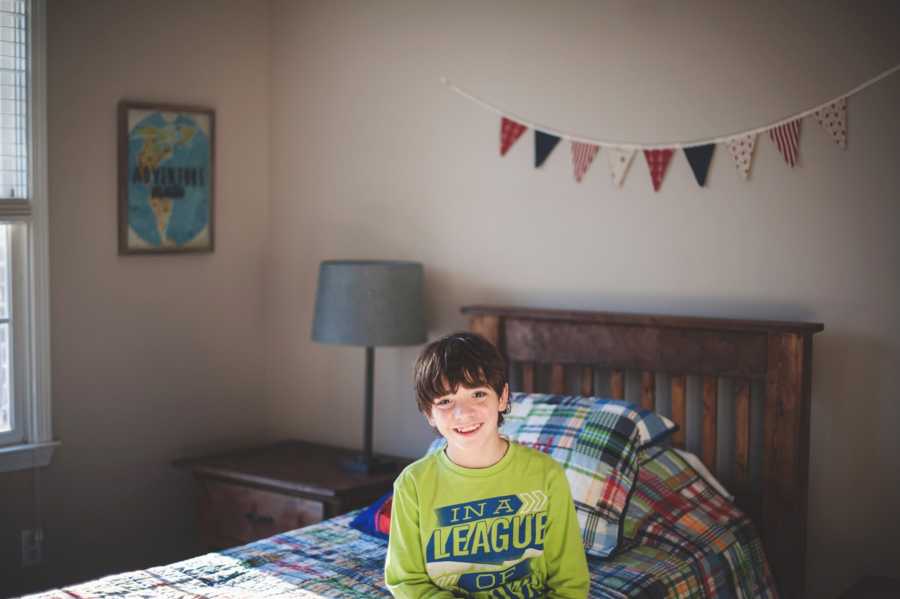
(367, 431)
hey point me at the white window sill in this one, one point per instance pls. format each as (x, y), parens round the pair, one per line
(23, 457)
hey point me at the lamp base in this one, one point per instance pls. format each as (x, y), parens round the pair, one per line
(361, 464)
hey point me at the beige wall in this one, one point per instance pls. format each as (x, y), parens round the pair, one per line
(153, 357)
(336, 140)
(373, 158)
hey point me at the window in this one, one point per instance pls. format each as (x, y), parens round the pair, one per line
(25, 433)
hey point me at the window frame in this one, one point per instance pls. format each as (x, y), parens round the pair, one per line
(32, 446)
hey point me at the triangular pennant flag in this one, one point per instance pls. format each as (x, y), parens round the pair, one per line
(787, 138)
(741, 149)
(833, 119)
(510, 132)
(619, 160)
(699, 158)
(543, 145)
(582, 156)
(658, 162)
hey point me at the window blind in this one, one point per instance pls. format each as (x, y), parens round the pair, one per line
(14, 118)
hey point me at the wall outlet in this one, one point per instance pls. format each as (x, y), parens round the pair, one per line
(32, 547)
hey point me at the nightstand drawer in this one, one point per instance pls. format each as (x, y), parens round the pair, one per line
(231, 514)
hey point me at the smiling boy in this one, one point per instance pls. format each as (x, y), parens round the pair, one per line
(483, 517)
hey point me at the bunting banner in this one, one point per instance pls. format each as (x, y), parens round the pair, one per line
(619, 160)
(785, 135)
(582, 157)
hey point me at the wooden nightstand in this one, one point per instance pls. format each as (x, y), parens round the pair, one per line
(256, 493)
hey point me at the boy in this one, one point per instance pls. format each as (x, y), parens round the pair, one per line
(483, 517)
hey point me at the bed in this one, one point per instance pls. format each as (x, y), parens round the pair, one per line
(681, 536)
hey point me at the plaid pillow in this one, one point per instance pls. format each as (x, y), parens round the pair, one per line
(597, 445)
(652, 427)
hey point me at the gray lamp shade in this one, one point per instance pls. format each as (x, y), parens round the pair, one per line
(369, 303)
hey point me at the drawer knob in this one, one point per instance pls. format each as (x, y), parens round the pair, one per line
(255, 518)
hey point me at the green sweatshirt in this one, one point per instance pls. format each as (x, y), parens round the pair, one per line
(508, 531)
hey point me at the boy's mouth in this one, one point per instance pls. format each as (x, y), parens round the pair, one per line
(467, 430)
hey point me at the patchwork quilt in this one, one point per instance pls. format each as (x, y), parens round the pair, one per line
(681, 539)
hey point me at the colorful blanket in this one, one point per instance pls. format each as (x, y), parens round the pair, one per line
(682, 539)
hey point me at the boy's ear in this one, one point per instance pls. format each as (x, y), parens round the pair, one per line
(430, 420)
(504, 398)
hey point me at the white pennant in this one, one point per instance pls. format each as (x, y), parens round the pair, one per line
(741, 149)
(619, 161)
(833, 119)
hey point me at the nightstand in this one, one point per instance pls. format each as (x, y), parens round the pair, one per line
(255, 493)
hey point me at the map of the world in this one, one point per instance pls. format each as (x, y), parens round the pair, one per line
(168, 181)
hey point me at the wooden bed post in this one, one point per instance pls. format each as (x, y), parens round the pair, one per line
(488, 326)
(785, 468)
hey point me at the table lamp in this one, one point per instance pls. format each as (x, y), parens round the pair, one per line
(369, 303)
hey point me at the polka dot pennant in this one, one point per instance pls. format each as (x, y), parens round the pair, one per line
(658, 162)
(741, 149)
(619, 160)
(833, 119)
(510, 132)
(582, 157)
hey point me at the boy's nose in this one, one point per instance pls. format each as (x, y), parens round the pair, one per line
(462, 408)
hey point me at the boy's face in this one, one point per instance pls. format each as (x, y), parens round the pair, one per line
(468, 417)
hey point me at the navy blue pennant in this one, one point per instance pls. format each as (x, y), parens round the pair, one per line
(699, 157)
(543, 145)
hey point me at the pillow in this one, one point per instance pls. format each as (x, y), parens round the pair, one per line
(375, 520)
(597, 442)
(652, 427)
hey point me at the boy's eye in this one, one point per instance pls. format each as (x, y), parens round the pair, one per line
(442, 402)
(480, 394)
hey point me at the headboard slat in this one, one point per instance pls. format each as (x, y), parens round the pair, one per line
(557, 379)
(679, 409)
(617, 384)
(648, 391)
(710, 421)
(742, 436)
(587, 381)
(528, 378)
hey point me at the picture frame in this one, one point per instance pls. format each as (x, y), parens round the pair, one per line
(166, 178)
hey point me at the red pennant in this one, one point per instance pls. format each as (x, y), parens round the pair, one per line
(787, 138)
(510, 131)
(582, 156)
(658, 161)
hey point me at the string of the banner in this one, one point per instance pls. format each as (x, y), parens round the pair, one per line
(665, 145)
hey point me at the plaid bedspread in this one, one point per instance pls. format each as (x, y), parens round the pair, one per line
(682, 540)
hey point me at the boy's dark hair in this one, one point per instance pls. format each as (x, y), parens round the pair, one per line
(464, 358)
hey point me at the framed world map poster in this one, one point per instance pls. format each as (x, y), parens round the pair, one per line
(166, 163)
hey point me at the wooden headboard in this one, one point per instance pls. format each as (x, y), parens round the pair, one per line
(575, 345)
